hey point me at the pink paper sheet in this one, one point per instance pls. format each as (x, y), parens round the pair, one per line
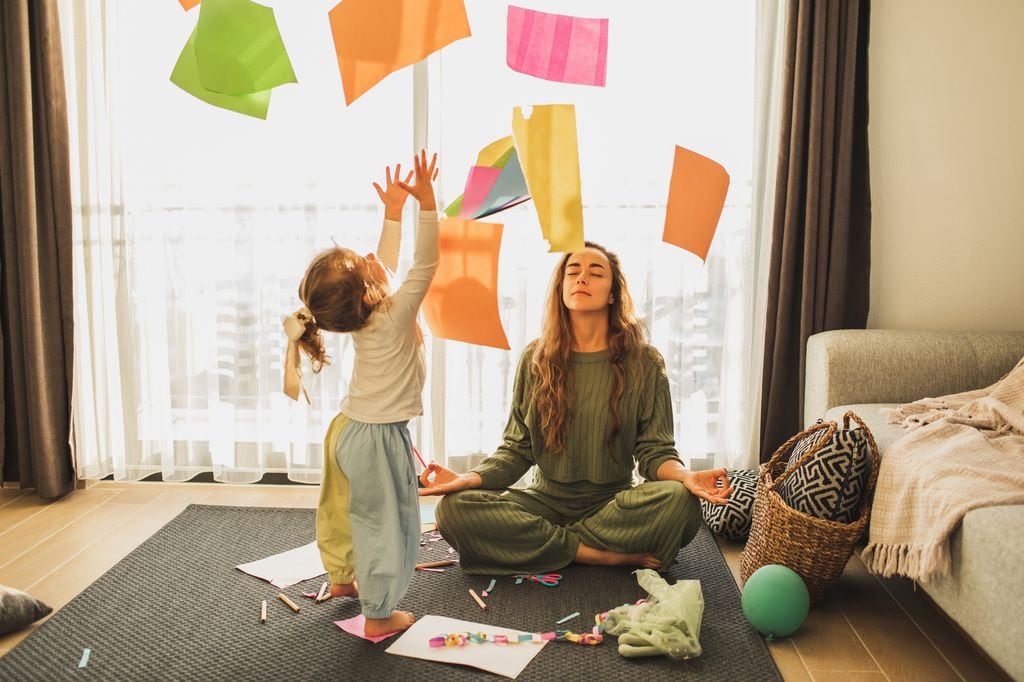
(480, 181)
(356, 625)
(557, 47)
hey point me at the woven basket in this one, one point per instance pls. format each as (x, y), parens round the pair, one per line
(817, 549)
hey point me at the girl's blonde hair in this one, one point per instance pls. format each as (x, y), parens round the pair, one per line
(333, 290)
(552, 389)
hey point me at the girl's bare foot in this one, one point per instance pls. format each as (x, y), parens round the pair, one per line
(345, 589)
(602, 557)
(399, 620)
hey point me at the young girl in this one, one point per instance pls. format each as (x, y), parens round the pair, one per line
(368, 520)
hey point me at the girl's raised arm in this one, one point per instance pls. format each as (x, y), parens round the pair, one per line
(393, 197)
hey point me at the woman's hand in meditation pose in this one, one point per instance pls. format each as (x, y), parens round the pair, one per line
(438, 480)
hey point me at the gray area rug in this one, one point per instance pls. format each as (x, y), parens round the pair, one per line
(177, 609)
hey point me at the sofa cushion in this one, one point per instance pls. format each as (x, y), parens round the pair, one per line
(885, 434)
(19, 609)
(732, 520)
(829, 484)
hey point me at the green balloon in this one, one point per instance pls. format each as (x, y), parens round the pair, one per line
(775, 600)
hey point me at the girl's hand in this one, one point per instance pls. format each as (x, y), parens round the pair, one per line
(423, 189)
(441, 481)
(393, 197)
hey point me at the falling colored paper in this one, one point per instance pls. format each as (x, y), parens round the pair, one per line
(186, 76)
(496, 153)
(462, 302)
(452, 210)
(356, 625)
(508, 190)
(239, 48)
(696, 197)
(498, 659)
(557, 47)
(188, 4)
(546, 144)
(287, 568)
(374, 39)
(478, 185)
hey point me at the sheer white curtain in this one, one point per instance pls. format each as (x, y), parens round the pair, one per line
(193, 227)
(194, 224)
(768, 65)
(687, 73)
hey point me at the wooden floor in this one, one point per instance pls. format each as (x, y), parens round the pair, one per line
(867, 629)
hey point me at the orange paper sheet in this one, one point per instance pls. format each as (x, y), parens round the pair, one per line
(548, 152)
(462, 303)
(696, 197)
(374, 38)
(188, 4)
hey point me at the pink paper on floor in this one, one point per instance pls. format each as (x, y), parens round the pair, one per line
(557, 47)
(356, 625)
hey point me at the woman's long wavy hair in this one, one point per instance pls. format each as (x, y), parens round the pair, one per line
(333, 289)
(552, 388)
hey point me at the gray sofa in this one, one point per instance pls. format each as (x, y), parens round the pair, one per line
(866, 370)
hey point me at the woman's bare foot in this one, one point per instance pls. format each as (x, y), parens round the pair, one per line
(602, 557)
(345, 589)
(399, 620)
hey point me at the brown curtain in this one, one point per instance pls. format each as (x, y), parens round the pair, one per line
(35, 252)
(821, 233)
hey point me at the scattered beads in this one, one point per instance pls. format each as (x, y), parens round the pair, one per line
(596, 636)
(462, 639)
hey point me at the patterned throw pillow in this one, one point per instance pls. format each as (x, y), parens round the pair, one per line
(18, 609)
(733, 520)
(829, 485)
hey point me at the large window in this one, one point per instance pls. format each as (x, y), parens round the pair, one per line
(194, 225)
(678, 73)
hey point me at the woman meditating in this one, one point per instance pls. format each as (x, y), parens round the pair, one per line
(591, 400)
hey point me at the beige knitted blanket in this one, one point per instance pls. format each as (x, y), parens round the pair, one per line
(962, 452)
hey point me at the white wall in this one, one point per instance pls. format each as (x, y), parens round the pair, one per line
(947, 164)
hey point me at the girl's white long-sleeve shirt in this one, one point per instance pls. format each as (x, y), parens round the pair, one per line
(390, 368)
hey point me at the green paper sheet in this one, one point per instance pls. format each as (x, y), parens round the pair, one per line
(453, 208)
(186, 76)
(239, 48)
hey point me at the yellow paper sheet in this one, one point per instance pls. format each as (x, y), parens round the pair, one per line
(373, 38)
(462, 303)
(696, 197)
(548, 152)
(496, 153)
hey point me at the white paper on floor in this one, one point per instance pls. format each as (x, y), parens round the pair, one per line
(500, 659)
(287, 568)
